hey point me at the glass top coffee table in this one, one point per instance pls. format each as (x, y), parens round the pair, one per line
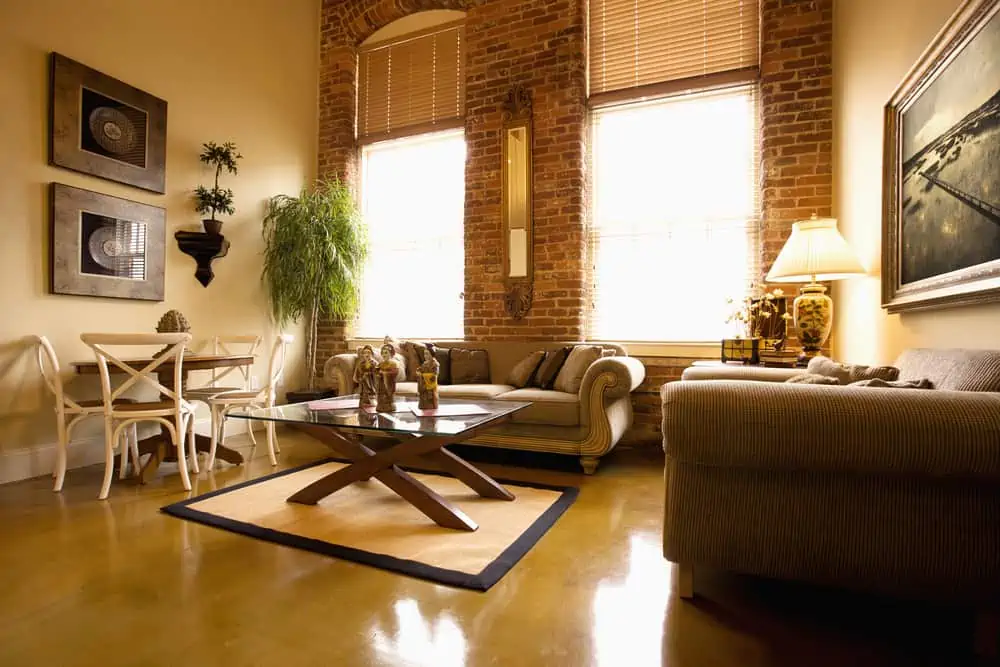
(342, 426)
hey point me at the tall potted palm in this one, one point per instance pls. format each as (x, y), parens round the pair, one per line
(315, 246)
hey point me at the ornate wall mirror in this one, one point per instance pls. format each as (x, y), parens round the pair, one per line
(515, 138)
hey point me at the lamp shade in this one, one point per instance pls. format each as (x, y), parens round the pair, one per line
(815, 251)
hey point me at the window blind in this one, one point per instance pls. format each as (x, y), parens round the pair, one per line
(675, 216)
(412, 85)
(654, 47)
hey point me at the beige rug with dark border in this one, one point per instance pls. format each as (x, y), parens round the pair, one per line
(368, 523)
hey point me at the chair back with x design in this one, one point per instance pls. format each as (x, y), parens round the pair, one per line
(145, 376)
(231, 346)
(276, 367)
(48, 364)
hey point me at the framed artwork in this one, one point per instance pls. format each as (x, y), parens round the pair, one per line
(941, 189)
(105, 127)
(105, 246)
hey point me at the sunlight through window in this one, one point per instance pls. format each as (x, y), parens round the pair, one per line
(675, 216)
(413, 200)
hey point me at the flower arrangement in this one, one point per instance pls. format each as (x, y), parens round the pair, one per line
(754, 313)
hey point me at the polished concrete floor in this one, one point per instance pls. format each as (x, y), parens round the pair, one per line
(84, 582)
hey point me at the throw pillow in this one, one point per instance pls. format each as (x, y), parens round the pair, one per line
(547, 371)
(469, 366)
(441, 354)
(522, 373)
(608, 352)
(570, 376)
(848, 373)
(812, 378)
(413, 352)
(922, 383)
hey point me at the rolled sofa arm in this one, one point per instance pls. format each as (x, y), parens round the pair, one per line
(740, 372)
(625, 374)
(338, 372)
(817, 428)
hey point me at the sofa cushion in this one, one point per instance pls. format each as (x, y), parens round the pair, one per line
(522, 373)
(847, 373)
(547, 371)
(480, 391)
(556, 408)
(570, 376)
(952, 369)
(469, 366)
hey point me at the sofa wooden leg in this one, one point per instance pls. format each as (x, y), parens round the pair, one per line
(685, 580)
(589, 464)
(987, 635)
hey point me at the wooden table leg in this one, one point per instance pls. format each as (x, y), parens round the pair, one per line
(203, 443)
(422, 497)
(157, 446)
(468, 474)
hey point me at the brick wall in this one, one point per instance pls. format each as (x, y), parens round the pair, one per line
(541, 44)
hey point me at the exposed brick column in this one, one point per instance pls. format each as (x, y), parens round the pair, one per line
(796, 116)
(539, 44)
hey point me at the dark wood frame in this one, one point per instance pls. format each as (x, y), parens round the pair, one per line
(518, 292)
(68, 78)
(972, 285)
(67, 203)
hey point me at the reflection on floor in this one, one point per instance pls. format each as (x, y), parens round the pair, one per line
(118, 583)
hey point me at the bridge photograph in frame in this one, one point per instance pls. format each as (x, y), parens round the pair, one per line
(941, 191)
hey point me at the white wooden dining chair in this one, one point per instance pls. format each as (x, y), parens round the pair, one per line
(171, 411)
(243, 345)
(70, 412)
(223, 403)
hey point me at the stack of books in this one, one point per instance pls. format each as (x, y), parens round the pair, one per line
(784, 358)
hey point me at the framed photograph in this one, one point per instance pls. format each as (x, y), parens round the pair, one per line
(941, 189)
(105, 127)
(105, 246)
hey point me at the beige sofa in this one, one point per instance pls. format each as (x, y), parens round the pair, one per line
(883, 489)
(588, 424)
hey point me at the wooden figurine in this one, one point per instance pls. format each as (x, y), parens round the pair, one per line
(388, 372)
(366, 376)
(427, 381)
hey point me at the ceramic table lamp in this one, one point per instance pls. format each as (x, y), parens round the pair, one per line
(815, 251)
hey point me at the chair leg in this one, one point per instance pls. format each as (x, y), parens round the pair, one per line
(194, 447)
(253, 438)
(589, 464)
(180, 430)
(271, 443)
(215, 436)
(59, 472)
(134, 448)
(123, 448)
(109, 458)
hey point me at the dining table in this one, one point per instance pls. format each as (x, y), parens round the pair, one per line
(159, 447)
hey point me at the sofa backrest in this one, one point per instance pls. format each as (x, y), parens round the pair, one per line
(953, 369)
(504, 355)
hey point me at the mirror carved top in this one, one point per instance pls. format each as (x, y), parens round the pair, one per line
(517, 103)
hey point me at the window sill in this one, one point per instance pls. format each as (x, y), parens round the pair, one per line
(694, 350)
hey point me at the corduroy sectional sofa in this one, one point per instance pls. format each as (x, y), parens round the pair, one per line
(587, 424)
(883, 489)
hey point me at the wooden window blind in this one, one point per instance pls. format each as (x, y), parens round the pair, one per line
(412, 84)
(645, 48)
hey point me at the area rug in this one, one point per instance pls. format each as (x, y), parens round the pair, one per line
(368, 523)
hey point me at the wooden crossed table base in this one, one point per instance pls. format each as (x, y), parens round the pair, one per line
(384, 466)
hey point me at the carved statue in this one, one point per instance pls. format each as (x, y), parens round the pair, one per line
(388, 371)
(427, 381)
(365, 376)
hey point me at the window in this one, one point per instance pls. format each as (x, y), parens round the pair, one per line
(674, 215)
(413, 200)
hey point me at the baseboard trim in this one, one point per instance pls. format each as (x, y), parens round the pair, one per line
(18, 464)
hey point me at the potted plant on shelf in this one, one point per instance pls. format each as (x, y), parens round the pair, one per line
(315, 246)
(217, 200)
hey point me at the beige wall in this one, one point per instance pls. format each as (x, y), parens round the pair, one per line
(257, 87)
(875, 44)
